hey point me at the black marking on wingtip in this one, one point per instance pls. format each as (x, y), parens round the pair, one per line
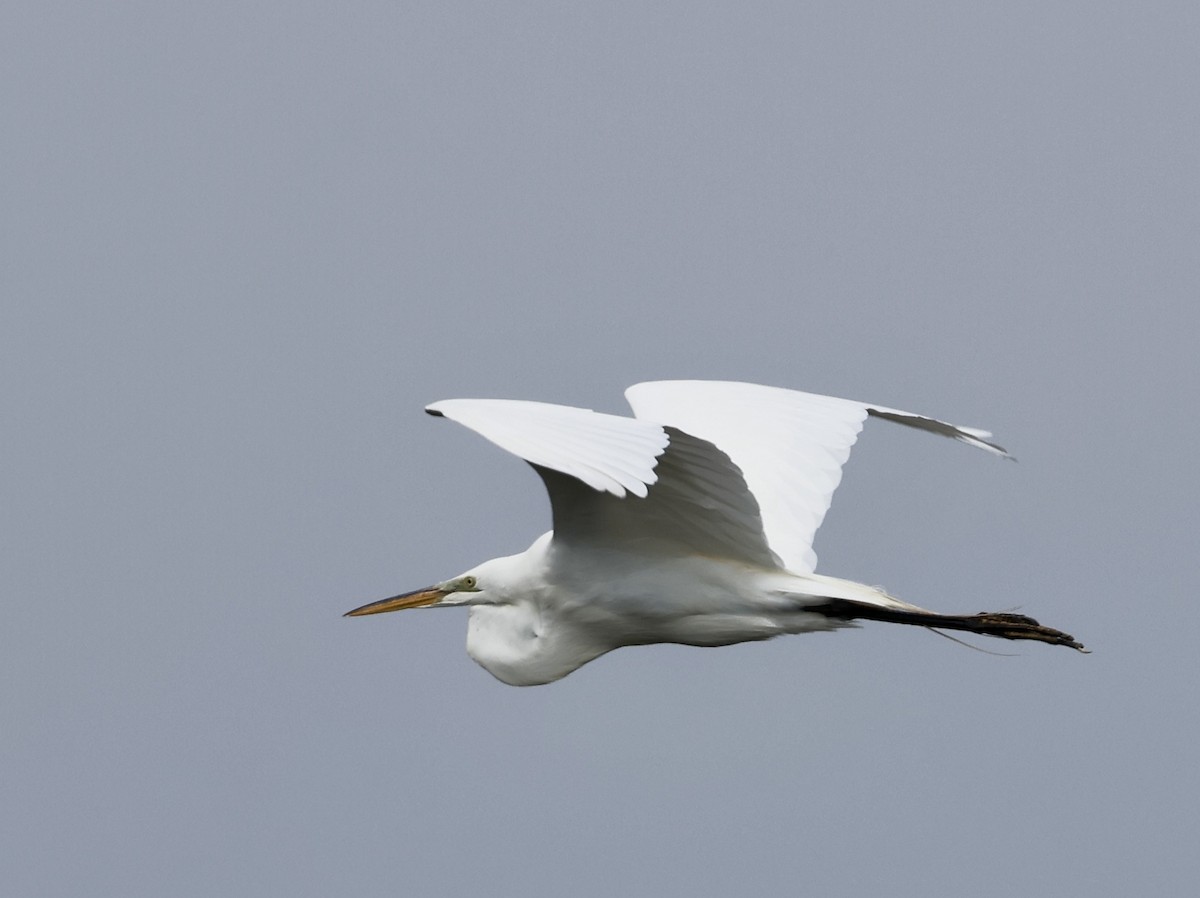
(434, 412)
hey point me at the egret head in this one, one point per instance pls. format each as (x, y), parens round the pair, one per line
(464, 590)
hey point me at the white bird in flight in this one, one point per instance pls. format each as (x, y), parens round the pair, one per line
(690, 523)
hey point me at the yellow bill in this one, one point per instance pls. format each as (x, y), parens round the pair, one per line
(419, 598)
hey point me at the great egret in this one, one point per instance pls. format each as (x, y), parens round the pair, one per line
(690, 523)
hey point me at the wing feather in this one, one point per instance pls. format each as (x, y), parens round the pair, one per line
(790, 446)
(730, 470)
(609, 453)
(700, 505)
(625, 484)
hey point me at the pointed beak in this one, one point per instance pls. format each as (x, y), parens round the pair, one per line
(419, 598)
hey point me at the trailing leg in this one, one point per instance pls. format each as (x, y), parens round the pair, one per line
(986, 623)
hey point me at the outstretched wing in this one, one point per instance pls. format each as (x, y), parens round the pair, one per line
(789, 446)
(625, 484)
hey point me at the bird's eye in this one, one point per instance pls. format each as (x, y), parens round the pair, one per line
(467, 582)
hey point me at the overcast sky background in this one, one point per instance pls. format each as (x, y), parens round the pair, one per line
(244, 244)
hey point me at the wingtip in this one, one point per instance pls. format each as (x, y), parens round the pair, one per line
(994, 448)
(437, 413)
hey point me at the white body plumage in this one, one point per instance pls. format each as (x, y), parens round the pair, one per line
(582, 604)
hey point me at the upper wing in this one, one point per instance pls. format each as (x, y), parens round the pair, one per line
(790, 446)
(624, 483)
(607, 452)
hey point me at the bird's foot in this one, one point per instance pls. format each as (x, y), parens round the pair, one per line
(1018, 626)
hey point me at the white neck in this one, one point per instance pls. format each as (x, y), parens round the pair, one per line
(515, 637)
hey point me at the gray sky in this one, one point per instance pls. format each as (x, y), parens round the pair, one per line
(245, 244)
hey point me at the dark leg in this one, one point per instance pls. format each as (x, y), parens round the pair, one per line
(1006, 626)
